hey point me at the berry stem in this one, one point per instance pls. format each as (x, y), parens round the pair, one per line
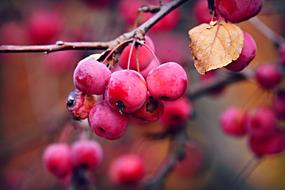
(137, 60)
(149, 49)
(130, 55)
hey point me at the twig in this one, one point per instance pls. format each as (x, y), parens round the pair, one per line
(138, 32)
(149, 9)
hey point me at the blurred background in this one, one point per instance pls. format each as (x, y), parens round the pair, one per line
(34, 88)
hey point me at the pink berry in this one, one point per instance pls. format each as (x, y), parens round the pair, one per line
(278, 104)
(168, 22)
(57, 159)
(44, 26)
(177, 112)
(202, 12)
(274, 144)
(282, 54)
(247, 54)
(106, 122)
(91, 77)
(61, 62)
(153, 64)
(261, 123)
(238, 10)
(86, 153)
(127, 169)
(144, 57)
(126, 91)
(268, 76)
(168, 81)
(151, 110)
(233, 122)
(79, 104)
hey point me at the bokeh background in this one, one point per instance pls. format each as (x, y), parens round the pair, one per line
(34, 88)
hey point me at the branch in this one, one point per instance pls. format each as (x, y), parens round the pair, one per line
(222, 80)
(138, 32)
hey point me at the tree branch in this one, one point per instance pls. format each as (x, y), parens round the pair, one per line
(138, 32)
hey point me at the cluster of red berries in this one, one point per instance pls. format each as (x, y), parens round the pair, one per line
(137, 87)
(61, 159)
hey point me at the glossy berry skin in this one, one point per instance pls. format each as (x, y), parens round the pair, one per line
(86, 153)
(57, 159)
(274, 144)
(91, 76)
(44, 26)
(127, 169)
(233, 122)
(261, 123)
(153, 64)
(176, 113)
(126, 91)
(278, 104)
(167, 82)
(268, 76)
(106, 122)
(247, 54)
(79, 104)
(202, 12)
(144, 57)
(238, 10)
(151, 110)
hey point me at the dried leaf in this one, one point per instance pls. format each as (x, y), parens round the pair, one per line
(215, 45)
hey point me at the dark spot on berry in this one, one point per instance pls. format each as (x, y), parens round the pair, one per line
(120, 105)
(151, 105)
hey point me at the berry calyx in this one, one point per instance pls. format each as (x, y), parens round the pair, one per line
(127, 169)
(167, 82)
(91, 76)
(86, 153)
(106, 122)
(57, 159)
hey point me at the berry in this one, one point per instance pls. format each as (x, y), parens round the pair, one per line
(57, 159)
(272, 145)
(150, 111)
(247, 54)
(233, 122)
(127, 169)
(44, 26)
(202, 12)
(268, 76)
(261, 123)
(168, 22)
(238, 10)
(86, 153)
(282, 54)
(278, 104)
(144, 57)
(106, 122)
(126, 91)
(61, 62)
(168, 81)
(91, 76)
(153, 64)
(176, 112)
(79, 104)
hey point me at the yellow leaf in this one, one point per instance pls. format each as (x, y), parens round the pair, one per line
(215, 45)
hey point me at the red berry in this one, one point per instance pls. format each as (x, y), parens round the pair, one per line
(61, 62)
(274, 144)
(79, 104)
(176, 112)
(106, 122)
(86, 153)
(91, 76)
(247, 54)
(150, 111)
(233, 122)
(268, 76)
(238, 10)
(126, 91)
(153, 64)
(282, 54)
(278, 104)
(168, 22)
(202, 12)
(168, 81)
(261, 123)
(144, 57)
(57, 159)
(127, 169)
(44, 26)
